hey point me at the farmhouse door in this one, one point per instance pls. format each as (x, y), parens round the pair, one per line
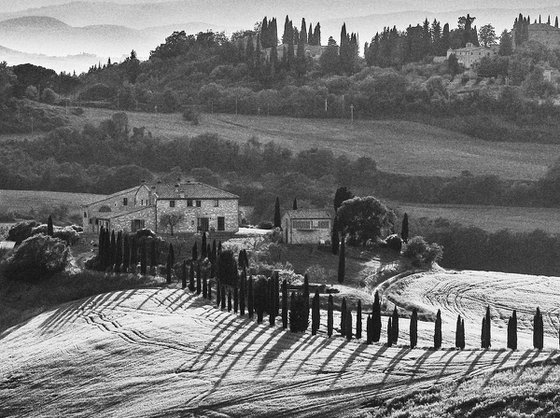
(203, 224)
(137, 224)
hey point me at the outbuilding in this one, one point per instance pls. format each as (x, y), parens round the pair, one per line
(307, 226)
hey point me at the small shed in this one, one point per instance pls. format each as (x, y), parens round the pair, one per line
(307, 226)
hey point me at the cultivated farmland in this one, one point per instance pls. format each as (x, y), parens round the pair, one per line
(397, 146)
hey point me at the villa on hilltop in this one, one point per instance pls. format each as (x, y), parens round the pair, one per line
(471, 54)
(197, 206)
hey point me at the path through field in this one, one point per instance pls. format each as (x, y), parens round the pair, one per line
(165, 352)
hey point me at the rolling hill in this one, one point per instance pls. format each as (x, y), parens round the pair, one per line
(397, 146)
(68, 63)
(166, 352)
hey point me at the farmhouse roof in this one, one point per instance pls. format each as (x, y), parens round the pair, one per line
(190, 190)
(308, 214)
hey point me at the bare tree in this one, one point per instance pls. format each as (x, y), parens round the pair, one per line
(170, 220)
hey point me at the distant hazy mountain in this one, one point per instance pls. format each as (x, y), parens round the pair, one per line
(50, 36)
(78, 63)
(237, 13)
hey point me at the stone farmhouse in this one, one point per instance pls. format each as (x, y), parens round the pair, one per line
(198, 206)
(312, 51)
(307, 226)
(471, 54)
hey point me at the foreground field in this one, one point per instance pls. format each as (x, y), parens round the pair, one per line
(488, 218)
(167, 353)
(397, 146)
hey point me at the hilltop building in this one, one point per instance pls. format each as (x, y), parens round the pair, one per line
(312, 51)
(471, 54)
(307, 226)
(200, 208)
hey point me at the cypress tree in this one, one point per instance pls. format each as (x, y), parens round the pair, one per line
(343, 317)
(50, 227)
(242, 292)
(306, 289)
(260, 297)
(170, 262)
(113, 251)
(203, 247)
(126, 252)
(271, 319)
(229, 301)
(205, 284)
(209, 290)
(276, 294)
(348, 319)
(184, 275)
(118, 253)
(458, 332)
(341, 260)
(389, 332)
(223, 297)
(404, 228)
(192, 286)
(218, 293)
(483, 334)
(556, 22)
(538, 330)
(437, 331)
(414, 328)
(294, 206)
(208, 251)
(107, 247)
(513, 340)
(315, 314)
(376, 318)
(369, 330)
(335, 239)
(284, 304)
(134, 252)
(153, 254)
(198, 278)
(395, 323)
(219, 250)
(462, 347)
(101, 246)
(277, 218)
(250, 298)
(194, 254)
(487, 329)
(235, 299)
(359, 320)
(330, 318)
(143, 260)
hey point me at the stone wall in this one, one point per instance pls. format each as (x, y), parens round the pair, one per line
(124, 222)
(227, 208)
(114, 205)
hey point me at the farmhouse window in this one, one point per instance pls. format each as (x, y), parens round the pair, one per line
(171, 203)
(323, 224)
(301, 224)
(216, 203)
(221, 223)
(125, 201)
(189, 202)
(85, 215)
(142, 202)
(198, 203)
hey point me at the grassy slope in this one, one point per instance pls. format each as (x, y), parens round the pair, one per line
(22, 201)
(489, 218)
(166, 353)
(396, 146)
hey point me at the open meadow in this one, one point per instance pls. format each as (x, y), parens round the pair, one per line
(488, 218)
(397, 146)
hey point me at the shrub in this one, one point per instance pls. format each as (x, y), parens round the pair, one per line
(37, 257)
(69, 234)
(191, 115)
(299, 313)
(31, 92)
(393, 242)
(266, 225)
(49, 96)
(21, 231)
(423, 253)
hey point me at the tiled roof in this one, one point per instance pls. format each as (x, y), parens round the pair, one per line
(189, 190)
(309, 214)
